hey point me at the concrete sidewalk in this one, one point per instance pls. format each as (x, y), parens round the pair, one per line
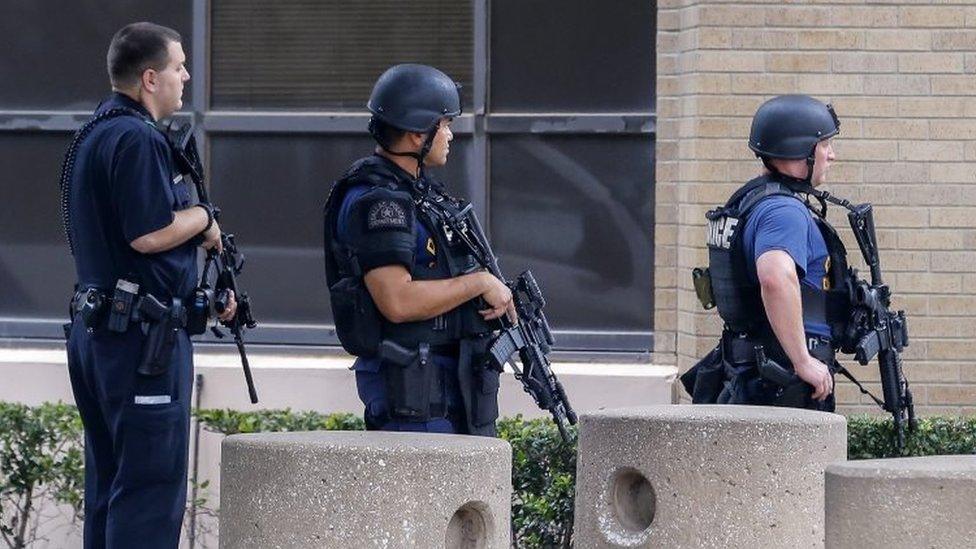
(321, 381)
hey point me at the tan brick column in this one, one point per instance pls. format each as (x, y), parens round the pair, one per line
(902, 78)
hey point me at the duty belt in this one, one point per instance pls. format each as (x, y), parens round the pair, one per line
(740, 348)
(93, 304)
(126, 307)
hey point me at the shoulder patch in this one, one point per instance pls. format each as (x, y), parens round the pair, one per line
(389, 214)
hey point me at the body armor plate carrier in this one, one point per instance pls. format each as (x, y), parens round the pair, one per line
(737, 297)
(359, 325)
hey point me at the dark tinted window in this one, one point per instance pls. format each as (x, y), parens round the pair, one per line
(572, 56)
(36, 271)
(326, 54)
(54, 52)
(272, 189)
(578, 211)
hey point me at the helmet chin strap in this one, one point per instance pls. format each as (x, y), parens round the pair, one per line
(418, 156)
(806, 185)
(803, 185)
(425, 150)
(810, 162)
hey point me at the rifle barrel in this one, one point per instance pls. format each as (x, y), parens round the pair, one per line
(252, 392)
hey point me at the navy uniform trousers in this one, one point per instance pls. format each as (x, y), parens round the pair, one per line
(136, 438)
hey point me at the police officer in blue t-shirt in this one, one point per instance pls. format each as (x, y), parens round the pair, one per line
(404, 290)
(134, 231)
(776, 269)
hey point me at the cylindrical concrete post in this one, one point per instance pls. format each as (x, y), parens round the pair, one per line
(899, 503)
(364, 489)
(704, 476)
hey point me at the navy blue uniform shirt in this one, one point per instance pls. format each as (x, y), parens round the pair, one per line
(125, 186)
(422, 253)
(785, 223)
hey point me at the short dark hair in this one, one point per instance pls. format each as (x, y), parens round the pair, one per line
(138, 47)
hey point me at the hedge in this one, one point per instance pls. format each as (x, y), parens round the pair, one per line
(870, 437)
(41, 464)
(40, 453)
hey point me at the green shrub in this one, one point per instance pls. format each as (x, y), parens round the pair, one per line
(41, 456)
(874, 437)
(232, 422)
(543, 482)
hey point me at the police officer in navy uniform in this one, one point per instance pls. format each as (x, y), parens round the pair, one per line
(777, 269)
(408, 299)
(134, 234)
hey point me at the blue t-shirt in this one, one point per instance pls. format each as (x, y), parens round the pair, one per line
(124, 186)
(785, 223)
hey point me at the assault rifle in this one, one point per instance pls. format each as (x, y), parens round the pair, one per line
(875, 330)
(223, 266)
(530, 337)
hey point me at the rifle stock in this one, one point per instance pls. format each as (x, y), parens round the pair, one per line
(861, 218)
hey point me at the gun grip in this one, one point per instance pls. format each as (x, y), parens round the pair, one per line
(395, 353)
(771, 370)
(151, 309)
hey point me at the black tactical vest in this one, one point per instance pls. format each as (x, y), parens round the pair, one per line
(360, 327)
(737, 297)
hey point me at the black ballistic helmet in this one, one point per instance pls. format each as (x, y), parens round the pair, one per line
(790, 126)
(414, 98)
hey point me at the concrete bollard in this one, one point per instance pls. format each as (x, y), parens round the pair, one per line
(364, 489)
(899, 503)
(704, 476)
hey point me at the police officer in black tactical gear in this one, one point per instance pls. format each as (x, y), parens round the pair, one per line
(776, 270)
(407, 297)
(134, 231)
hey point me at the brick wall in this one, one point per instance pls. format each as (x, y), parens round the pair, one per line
(902, 78)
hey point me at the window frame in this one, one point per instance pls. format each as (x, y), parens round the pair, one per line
(479, 125)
